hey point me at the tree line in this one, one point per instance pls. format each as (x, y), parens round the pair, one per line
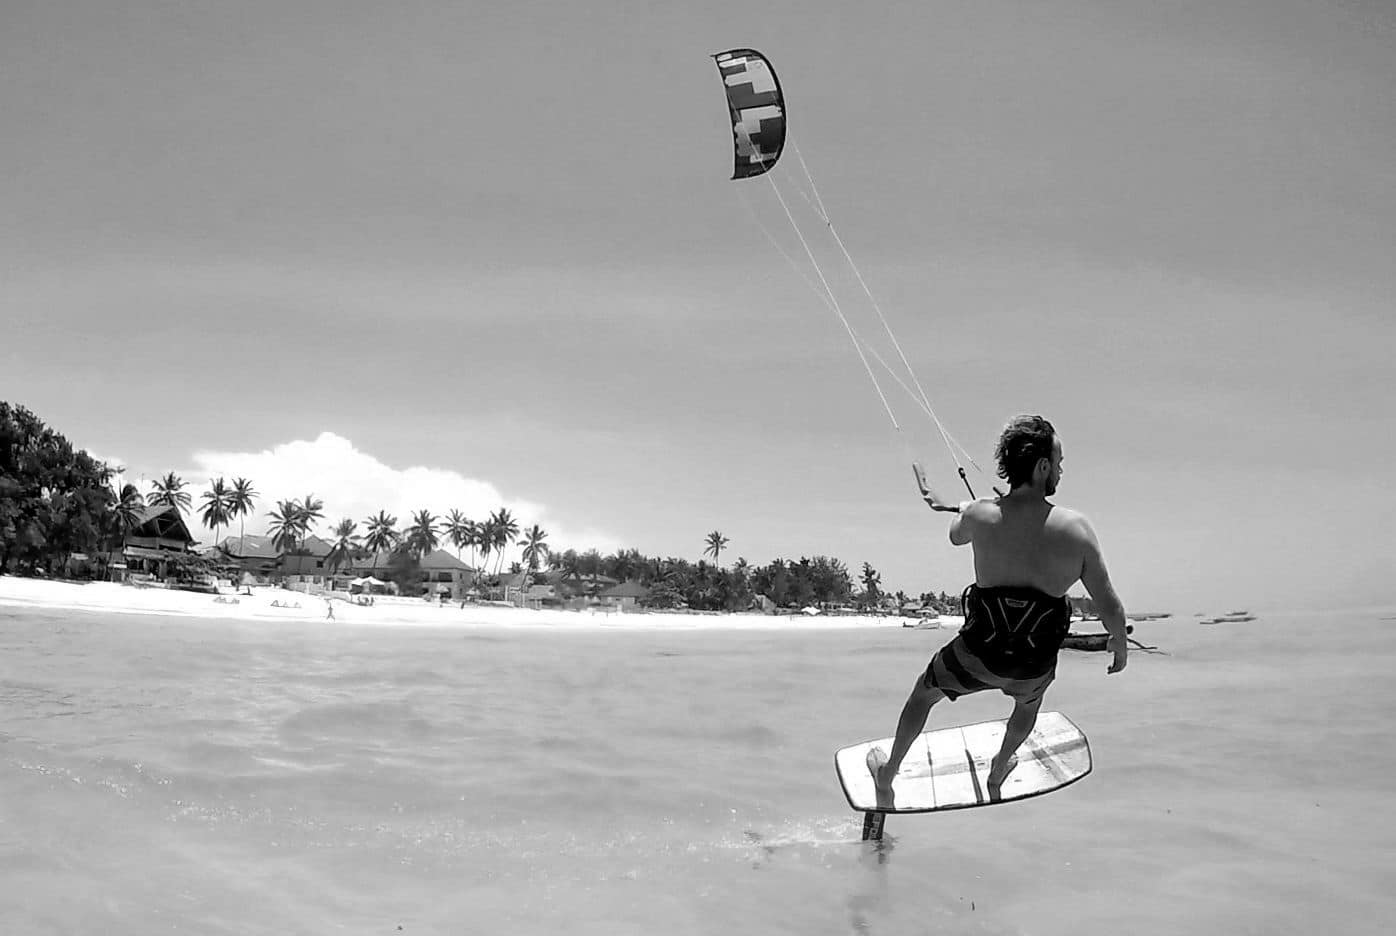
(56, 501)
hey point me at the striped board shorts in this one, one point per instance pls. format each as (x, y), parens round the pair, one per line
(956, 671)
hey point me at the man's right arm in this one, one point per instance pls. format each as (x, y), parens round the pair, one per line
(1096, 577)
(962, 526)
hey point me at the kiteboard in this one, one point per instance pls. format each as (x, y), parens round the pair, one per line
(949, 768)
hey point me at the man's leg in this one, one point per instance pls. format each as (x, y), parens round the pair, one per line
(1019, 726)
(912, 721)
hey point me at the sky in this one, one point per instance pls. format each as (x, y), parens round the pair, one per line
(470, 255)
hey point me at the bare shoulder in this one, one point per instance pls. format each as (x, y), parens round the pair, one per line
(983, 511)
(1072, 523)
(981, 508)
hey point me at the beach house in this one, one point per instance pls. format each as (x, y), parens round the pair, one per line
(539, 595)
(250, 555)
(442, 573)
(308, 564)
(159, 539)
(624, 596)
(267, 563)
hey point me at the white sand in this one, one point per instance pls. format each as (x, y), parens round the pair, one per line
(267, 603)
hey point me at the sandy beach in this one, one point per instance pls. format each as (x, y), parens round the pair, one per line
(269, 603)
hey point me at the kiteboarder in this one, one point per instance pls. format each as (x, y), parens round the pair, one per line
(1027, 553)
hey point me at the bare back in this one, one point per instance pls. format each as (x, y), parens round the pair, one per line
(1032, 543)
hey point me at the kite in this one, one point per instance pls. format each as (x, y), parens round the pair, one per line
(757, 107)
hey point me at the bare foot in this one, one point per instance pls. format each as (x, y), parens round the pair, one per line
(999, 774)
(882, 778)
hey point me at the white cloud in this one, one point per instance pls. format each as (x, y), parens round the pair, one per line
(354, 485)
(112, 461)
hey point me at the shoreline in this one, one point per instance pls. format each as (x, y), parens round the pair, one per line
(267, 603)
(262, 605)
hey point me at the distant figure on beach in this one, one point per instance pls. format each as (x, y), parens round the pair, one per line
(1027, 553)
(329, 610)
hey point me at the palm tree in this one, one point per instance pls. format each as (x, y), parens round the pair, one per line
(534, 547)
(716, 543)
(624, 565)
(505, 531)
(308, 513)
(284, 528)
(382, 535)
(346, 543)
(484, 538)
(570, 564)
(741, 570)
(421, 535)
(240, 501)
(169, 492)
(458, 528)
(474, 533)
(872, 592)
(124, 514)
(215, 510)
(590, 563)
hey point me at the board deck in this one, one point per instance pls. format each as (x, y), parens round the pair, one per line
(948, 768)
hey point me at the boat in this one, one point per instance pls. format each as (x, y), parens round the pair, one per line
(1231, 617)
(1094, 642)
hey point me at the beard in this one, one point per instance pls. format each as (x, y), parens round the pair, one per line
(1051, 487)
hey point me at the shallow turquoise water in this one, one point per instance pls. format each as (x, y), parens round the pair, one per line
(173, 775)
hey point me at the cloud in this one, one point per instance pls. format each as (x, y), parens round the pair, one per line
(354, 485)
(112, 461)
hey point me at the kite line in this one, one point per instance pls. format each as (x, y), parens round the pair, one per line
(756, 105)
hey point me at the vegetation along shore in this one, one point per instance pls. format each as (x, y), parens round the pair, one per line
(66, 514)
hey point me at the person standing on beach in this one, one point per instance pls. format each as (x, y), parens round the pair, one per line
(1027, 553)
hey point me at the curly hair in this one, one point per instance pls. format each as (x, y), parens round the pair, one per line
(1024, 440)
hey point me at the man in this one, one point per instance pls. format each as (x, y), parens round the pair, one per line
(1027, 553)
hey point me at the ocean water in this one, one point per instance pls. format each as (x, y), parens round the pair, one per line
(163, 774)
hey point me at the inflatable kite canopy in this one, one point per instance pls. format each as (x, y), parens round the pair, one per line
(757, 108)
